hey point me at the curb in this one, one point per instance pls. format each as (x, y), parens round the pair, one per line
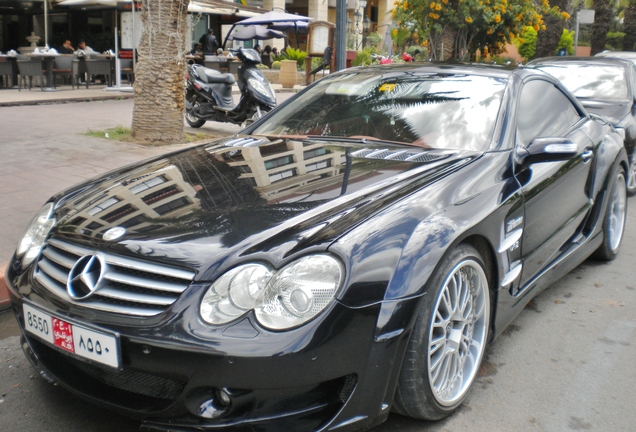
(68, 100)
(4, 291)
(105, 97)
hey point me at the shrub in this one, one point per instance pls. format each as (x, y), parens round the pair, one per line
(363, 58)
(297, 55)
(276, 64)
(527, 43)
(614, 41)
(567, 41)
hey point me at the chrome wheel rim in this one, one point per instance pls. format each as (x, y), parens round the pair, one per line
(617, 212)
(458, 334)
(631, 176)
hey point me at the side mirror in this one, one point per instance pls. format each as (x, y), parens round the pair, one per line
(547, 149)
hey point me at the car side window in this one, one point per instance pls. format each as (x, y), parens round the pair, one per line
(544, 111)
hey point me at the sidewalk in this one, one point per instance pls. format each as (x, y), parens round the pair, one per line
(65, 94)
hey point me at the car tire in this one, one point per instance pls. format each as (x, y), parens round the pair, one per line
(615, 216)
(631, 176)
(456, 310)
(190, 118)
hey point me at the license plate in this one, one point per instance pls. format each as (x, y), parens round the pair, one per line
(97, 346)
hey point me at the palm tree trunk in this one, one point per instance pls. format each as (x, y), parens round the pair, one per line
(602, 21)
(159, 74)
(629, 25)
(548, 39)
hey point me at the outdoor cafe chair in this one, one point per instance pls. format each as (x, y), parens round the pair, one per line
(98, 67)
(6, 72)
(64, 67)
(29, 69)
(126, 68)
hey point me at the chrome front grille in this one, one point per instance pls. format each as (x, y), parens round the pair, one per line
(128, 286)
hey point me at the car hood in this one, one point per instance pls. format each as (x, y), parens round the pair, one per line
(244, 197)
(612, 111)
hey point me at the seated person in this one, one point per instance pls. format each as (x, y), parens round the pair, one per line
(66, 48)
(82, 48)
(197, 53)
(266, 56)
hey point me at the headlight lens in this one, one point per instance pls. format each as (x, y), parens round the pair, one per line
(281, 300)
(35, 235)
(262, 87)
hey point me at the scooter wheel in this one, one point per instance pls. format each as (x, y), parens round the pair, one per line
(191, 119)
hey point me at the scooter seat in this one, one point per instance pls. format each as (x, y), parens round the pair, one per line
(212, 76)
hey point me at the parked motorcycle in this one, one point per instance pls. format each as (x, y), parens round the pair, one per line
(209, 93)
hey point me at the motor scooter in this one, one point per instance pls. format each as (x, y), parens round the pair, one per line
(209, 93)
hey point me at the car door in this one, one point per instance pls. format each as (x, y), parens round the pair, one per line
(556, 194)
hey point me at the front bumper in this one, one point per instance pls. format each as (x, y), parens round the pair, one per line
(333, 373)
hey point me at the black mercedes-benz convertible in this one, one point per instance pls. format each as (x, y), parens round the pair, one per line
(349, 254)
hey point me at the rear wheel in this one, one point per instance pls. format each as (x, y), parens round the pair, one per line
(615, 215)
(449, 339)
(190, 118)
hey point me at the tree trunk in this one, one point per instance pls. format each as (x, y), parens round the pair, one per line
(629, 25)
(548, 39)
(602, 21)
(449, 39)
(159, 74)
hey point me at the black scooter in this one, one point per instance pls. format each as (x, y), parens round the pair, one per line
(209, 93)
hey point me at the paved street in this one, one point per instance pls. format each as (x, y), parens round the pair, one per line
(565, 364)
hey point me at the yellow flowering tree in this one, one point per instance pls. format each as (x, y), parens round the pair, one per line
(458, 28)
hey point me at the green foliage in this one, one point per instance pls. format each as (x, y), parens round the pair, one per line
(297, 55)
(401, 37)
(567, 41)
(315, 62)
(276, 64)
(614, 40)
(526, 43)
(363, 58)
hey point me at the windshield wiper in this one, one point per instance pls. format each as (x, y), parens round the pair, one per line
(354, 139)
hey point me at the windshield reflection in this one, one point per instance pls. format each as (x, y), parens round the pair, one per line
(603, 82)
(443, 111)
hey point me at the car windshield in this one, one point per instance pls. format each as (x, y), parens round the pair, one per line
(447, 111)
(591, 81)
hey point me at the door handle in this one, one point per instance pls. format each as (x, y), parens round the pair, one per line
(587, 155)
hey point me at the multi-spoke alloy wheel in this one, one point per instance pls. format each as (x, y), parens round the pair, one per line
(614, 220)
(448, 340)
(458, 332)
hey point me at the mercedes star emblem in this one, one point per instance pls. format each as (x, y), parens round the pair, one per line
(114, 233)
(85, 277)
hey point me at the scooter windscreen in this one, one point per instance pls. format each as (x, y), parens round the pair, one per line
(251, 55)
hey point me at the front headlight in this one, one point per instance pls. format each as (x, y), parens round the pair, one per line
(281, 300)
(262, 87)
(35, 235)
